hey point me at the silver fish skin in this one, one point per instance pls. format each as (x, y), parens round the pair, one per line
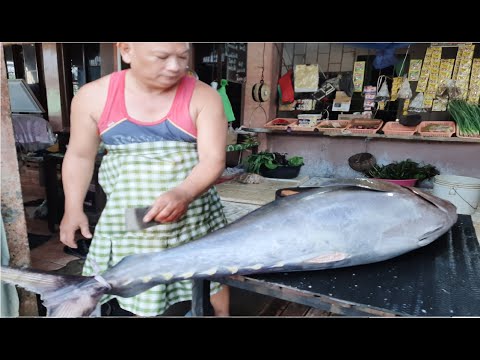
(341, 223)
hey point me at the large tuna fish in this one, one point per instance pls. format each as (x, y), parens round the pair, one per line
(341, 223)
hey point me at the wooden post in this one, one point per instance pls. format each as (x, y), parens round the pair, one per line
(13, 212)
(53, 67)
(108, 58)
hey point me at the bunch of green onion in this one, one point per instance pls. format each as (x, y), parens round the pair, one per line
(467, 117)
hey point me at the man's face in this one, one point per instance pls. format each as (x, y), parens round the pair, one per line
(160, 64)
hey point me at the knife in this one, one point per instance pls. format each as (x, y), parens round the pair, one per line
(134, 219)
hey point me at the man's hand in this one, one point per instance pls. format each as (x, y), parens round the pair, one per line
(169, 206)
(70, 224)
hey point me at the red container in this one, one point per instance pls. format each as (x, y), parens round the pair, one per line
(406, 182)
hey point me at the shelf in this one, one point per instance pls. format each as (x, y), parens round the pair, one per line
(371, 136)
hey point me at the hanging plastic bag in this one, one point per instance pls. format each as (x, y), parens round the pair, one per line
(405, 91)
(285, 84)
(226, 101)
(417, 104)
(346, 84)
(454, 92)
(231, 135)
(383, 94)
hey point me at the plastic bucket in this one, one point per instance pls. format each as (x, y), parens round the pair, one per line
(461, 191)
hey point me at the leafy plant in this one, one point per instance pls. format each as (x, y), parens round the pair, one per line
(402, 170)
(271, 160)
(250, 139)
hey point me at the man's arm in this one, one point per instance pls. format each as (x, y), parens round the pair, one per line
(211, 126)
(211, 143)
(78, 164)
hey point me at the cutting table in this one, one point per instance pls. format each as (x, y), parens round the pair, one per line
(440, 279)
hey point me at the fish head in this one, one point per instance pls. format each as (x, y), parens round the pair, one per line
(437, 222)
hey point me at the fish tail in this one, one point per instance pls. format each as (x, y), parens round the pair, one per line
(62, 295)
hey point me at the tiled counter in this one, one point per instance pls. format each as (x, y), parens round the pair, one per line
(239, 199)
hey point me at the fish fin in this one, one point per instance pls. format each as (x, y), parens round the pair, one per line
(62, 295)
(326, 258)
(438, 202)
(32, 280)
(82, 303)
(329, 185)
(364, 183)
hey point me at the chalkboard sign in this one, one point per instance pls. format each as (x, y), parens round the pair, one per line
(236, 61)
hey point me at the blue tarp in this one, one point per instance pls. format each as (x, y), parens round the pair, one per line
(380, 46)
(385, 52)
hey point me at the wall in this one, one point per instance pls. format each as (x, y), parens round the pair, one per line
(268, 57)
(328, 156)
(330, 57)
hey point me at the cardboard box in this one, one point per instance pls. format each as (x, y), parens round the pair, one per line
(341, 102)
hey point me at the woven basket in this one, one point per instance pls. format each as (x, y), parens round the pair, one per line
(362, 162)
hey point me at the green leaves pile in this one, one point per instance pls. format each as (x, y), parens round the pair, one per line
(402, 170)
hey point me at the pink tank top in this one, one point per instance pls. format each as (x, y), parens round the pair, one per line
(117, 127)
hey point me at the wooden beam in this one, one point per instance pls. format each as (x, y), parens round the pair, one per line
(13, 212)
(108, 57)
(53, 70)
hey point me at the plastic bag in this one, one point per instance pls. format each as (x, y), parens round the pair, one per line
(454, 92)
(405, 91)
(383, 94)
(346, 84)
(417, 103)
(285, 84)
(231, 135)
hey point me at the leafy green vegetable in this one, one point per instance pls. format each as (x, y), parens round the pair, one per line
(467, 117)
(296, 161)
(271, 160)
(406, 169)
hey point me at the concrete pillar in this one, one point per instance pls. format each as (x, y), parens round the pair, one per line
(13, 212)
(266, 57)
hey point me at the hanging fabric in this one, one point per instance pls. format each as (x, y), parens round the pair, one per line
(226, 101)
(9, 300)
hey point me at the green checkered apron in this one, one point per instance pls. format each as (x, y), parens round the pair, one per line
(134, 175)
